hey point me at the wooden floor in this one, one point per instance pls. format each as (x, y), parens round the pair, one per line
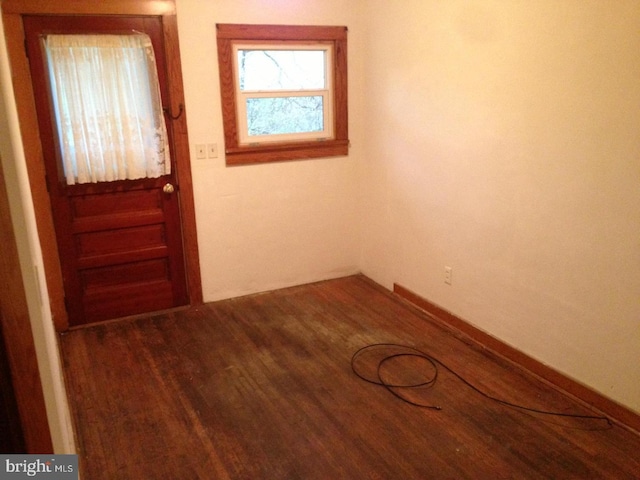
(262, 387)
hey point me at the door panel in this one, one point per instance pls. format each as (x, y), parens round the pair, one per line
(123, 253)
(120, 243)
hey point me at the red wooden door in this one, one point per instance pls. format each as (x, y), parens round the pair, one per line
(119, 242)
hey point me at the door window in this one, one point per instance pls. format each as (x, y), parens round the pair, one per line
(107, 105)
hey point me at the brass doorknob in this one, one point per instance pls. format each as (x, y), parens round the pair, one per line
(168, 188)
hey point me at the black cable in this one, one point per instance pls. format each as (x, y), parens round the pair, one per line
(434, 362)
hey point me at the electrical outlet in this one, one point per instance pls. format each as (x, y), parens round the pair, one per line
(448, 272)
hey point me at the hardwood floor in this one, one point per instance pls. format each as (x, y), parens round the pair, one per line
(261, 387)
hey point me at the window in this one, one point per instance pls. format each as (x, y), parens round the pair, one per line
(284, 92)
(108, 110)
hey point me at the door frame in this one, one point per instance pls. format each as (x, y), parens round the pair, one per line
(18, 339)
(12, 13)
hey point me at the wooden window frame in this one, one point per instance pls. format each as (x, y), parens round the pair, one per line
(238, 154)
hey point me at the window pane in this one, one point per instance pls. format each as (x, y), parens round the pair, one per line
(282, 115)
(108, 109)
(281, 69)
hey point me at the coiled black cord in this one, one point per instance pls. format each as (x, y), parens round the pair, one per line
(406, 351)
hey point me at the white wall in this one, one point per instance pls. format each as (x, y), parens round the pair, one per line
(503, 141)
(262, 227)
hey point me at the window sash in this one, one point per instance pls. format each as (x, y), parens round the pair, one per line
(245, 138)
(295, 72)
(243, 96)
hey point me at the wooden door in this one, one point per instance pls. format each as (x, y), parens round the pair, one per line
(119, 242)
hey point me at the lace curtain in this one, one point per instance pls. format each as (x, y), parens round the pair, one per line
(108, 109)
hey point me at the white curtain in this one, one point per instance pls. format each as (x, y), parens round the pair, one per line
(106, 98)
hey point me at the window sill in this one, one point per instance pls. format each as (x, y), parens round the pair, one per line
(286, 152)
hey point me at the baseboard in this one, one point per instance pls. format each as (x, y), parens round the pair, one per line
(613, 410)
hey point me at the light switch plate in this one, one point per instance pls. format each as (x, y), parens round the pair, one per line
(212, 150)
